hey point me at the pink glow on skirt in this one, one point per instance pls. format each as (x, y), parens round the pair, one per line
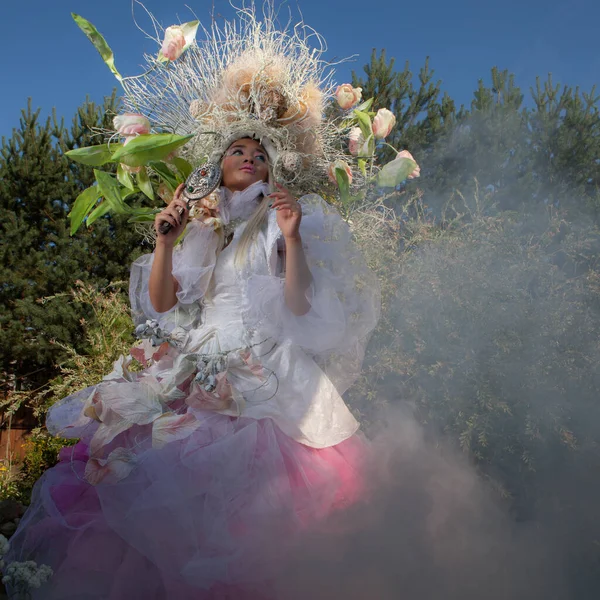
(204, 518)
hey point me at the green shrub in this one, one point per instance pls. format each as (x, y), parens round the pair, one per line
(491, 335)
(109, 333)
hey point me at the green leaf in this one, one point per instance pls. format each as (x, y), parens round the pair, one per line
(362, 165)
(165, 174)
(144, 183)
(395, 172)
(145, 215)
(367, 150)
(98, 212)
(125, 193)
(125, 179)
(82, 206)
(141, 219)
(343, 183)
(364, 122)
(183, 166)
(365, 106)
(94, 156)
(144, 210)
(111, 191)
(149, 147)
(99, 43)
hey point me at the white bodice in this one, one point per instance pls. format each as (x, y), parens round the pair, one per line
(221, 306)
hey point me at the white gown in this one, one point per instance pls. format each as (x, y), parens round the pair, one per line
(235, 429)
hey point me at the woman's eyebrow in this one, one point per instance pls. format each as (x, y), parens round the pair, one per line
(244, 147)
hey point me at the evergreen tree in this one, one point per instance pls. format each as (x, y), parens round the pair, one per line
(515, 155)
(39, 258)
(420, 114)
(487, 146)
(565, 134)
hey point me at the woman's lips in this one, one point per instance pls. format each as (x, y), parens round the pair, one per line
(249, 169)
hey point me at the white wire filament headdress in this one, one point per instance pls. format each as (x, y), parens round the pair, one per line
(247, 78)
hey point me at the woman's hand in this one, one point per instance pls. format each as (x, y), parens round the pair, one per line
(289, 212)
(171, 215)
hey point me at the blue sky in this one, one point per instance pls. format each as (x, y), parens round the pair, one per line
(47, 58)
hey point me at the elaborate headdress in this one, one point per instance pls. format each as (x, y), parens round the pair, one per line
(247, 79)
(243, 79)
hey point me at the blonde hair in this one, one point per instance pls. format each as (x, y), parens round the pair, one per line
(255, 224)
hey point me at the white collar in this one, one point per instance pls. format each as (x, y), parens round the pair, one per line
(241, 205)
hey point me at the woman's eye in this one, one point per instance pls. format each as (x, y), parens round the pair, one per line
(261, 157)
(238, 151)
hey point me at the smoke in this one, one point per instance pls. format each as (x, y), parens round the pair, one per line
(483, 481)
(430, 528)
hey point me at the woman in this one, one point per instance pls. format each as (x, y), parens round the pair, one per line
(192, 475)
(245, 162)
(197, 469)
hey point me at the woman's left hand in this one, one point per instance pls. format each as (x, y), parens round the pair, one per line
(289, 212)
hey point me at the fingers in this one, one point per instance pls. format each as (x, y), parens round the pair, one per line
(169, 219)
(177, 201)
(178, 191)
(281, 192)
(288, 203)
(280, 195)
(283, 200)
(175, 214)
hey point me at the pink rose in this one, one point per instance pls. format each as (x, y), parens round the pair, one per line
(174, 42)
(347, 96)
(338, 164)
(407, 154)
(130, 125)
(383, 123)
(356, 141)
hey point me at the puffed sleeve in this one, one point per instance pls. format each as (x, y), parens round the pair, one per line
(344, 295)
(193, 263)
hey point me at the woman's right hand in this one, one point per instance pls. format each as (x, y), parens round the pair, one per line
(171, 215)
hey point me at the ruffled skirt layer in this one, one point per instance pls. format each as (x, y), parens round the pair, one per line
(208, 517)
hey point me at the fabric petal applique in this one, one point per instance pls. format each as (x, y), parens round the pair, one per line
(139, 353)
(120, 370)
(120, 405)
(253, 364)
(138, 402)
(93, 406)
(170, 427)
(175, 376)
(220, 399)
(116, 466)
(105, 434)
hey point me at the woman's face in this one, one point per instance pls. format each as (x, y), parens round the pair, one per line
(245, 162)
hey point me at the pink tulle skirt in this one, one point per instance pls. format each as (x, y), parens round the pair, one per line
(207, 517)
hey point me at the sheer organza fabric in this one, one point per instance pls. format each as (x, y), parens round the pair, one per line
(204, 518)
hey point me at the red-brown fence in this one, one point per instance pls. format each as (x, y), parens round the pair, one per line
(13, 435)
